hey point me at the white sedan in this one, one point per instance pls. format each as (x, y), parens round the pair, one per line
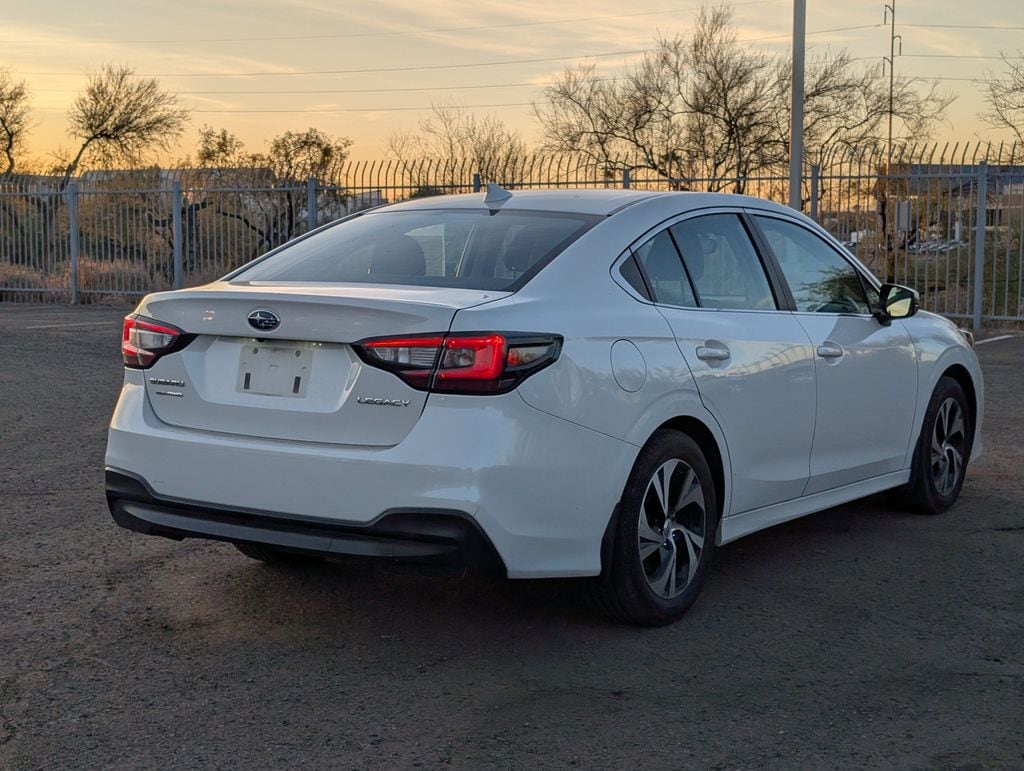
(558, 383)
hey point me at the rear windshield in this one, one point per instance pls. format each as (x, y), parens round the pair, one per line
(450, 248)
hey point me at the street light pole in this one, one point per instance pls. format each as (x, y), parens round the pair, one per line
(796, 112)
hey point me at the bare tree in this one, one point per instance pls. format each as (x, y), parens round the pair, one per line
(708, 106)
(220, 149)
(846, 105)
(262, 193)
(731, 98)
(14, 119)
(292, 156)
(119, 116)
(705, 100)
(451, 138)
(1005, 96)
(299, 154)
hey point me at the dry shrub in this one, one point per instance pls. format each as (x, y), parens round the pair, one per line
(102, 281)
(204, 276)
(23, 277)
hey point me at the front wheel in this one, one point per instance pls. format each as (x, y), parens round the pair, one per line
(664, 534)
(942, 452)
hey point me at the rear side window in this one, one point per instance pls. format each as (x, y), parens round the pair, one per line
(630, 271)
(721, 260)
(450, 248)
(664, 271)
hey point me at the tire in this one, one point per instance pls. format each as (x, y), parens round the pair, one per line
(942, 452)
(656, 571)
(268, 554)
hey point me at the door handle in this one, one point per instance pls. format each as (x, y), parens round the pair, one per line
(712, 353)
(830, 350)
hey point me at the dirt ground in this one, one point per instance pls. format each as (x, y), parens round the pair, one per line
(859, 636)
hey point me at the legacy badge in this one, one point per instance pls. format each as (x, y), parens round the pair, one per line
(378, 402)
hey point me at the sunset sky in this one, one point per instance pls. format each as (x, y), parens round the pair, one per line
(380, 62)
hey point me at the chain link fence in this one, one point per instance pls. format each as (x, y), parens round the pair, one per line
(944, 219)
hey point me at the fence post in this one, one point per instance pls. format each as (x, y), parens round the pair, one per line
(476, 182)
(72, 194)
(979, 244)
(815, 175)
(176, 233)
(311, 212)
(625, 179)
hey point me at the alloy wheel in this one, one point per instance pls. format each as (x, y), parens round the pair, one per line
(948, 443)
(672, 528)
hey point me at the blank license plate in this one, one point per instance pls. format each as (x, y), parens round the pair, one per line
(275, 369)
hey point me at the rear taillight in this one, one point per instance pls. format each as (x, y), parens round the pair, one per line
(143, 341)
(411, 358)
(486, 363)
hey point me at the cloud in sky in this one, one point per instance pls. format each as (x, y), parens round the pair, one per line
(52, 44)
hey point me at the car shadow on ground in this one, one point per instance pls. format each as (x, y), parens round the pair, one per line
(366, 601)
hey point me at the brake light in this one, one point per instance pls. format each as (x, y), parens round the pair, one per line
(487, 363)
(143, 341)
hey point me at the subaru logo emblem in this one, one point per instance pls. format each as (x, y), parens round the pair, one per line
(264, 320)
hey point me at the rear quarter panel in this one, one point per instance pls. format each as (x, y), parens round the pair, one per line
(575, 297)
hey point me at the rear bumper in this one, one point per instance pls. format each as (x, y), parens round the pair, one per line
(448, 539)
(540, 488)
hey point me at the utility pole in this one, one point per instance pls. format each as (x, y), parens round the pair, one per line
(796, 111)
(889, 17)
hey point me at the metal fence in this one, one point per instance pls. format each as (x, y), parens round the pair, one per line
(946, 220)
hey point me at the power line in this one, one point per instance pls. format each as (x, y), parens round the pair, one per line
(419, 67)
(372, 109)
(345, 90)
(814, 32)
(955, 56)
(913, 76)
(463, 107)
(423, 89)
(471, 87)
(367, 70)
(962, 80)
(964, 26)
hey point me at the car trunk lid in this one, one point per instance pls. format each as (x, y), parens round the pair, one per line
(302, 380)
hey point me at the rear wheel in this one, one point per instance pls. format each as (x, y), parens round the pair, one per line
(664, 534)
(942, 452)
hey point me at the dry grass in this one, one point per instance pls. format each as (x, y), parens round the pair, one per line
(20, 277)
(99, 282)
(96, 277)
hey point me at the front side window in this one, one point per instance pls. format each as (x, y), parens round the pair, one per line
(721, 260)
(449, 248)
(821, 279)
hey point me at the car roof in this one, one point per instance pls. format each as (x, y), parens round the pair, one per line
(599, 202)
(596, 202)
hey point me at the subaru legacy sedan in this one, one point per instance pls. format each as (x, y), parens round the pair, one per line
(605, 383)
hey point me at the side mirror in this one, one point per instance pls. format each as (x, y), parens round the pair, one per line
(897, 302)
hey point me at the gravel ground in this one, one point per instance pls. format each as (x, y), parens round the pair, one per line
(859, 636)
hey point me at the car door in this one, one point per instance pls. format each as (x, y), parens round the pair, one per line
(866, 370)
(752, 363)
